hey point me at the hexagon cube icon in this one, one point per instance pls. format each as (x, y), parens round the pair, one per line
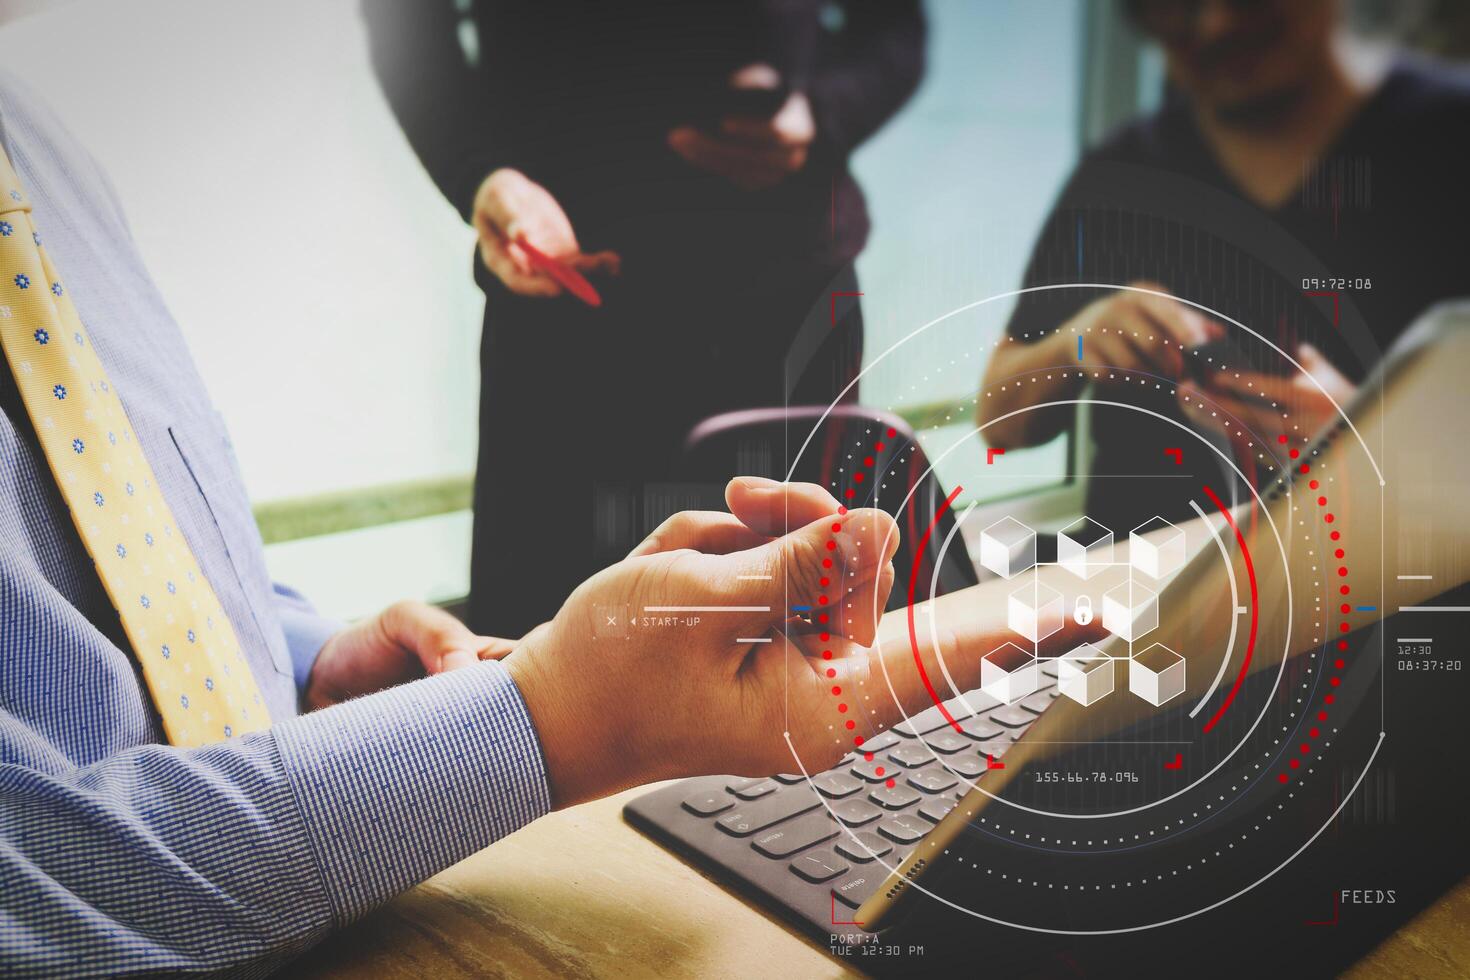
(1130, 610)
(1156, 674)
(1156, 548)
(1009, 673)
(1084, 547)
(1008, 547)
(1085, 674)
(1035, 611)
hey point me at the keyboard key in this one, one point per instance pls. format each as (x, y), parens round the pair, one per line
(874, 772)
(836, 784)
(855, 891)
(966, 764)
(856, 811)
(798, 835)
(1050, 668)
(981, 729)
(867, 847)
(937, 808)
(980, 702)
(993, 750)
(929, 719)
(895, 798)
(757, 789)
(911, 755)
(752, 818)
(708, 804)
(948, 740)
(818, 866)
(1038, 702)
(736, 784)
(933, 780)
(879, 742)
(789, 777)
(1012, 716)
(904, 828)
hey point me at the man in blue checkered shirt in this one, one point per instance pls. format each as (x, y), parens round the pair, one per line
(121, 853)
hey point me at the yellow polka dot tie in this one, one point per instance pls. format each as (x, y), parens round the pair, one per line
(190, 655)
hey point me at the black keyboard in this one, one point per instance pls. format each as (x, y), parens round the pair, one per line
(775, 837)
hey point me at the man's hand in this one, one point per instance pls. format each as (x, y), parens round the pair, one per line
(1124, 331)
(669, 700)
(760, 511)
(510, 205)
(1134, 331)
(752, 153)
(676, 700)
(1269, 404)
(404, 642)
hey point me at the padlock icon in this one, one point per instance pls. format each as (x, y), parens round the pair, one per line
(1082, 612)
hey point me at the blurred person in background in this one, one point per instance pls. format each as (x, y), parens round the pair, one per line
(691, 160)
(1282, 156)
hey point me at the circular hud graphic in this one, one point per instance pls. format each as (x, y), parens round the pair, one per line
(1181, 701)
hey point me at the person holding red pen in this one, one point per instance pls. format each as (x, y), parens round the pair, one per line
(662, 199)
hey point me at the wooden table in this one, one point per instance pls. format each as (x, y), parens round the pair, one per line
(581, 894)
(578, 893)
(1435, 943)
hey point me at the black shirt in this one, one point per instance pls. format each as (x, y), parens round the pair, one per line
(580, 95)
(1384, 209)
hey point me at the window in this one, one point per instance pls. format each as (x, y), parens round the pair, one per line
(319, 277)
(959, 184)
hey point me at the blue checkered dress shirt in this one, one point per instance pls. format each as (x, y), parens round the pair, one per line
(119, 853)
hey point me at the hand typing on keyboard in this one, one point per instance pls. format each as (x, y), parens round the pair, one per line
(657, 703)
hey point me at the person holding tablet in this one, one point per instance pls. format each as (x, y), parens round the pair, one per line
(1285, 162)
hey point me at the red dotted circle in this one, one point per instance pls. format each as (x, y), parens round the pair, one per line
(1344, 609)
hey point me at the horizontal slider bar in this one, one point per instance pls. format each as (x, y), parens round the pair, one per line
(706, 608)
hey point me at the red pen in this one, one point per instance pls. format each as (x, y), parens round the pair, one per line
(570, 279)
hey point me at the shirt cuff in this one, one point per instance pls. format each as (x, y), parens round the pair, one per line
(306, 631)
(397, 786)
